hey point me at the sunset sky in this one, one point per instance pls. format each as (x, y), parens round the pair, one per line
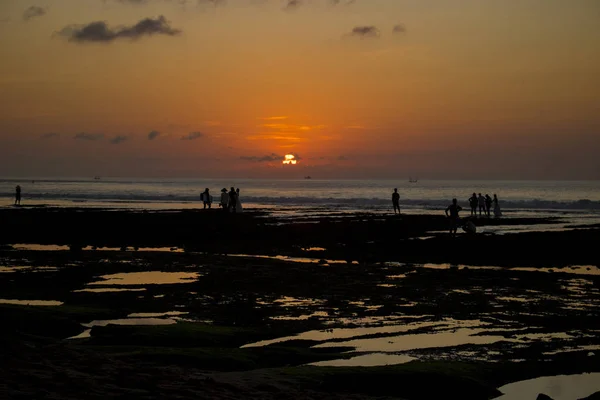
(444, 89)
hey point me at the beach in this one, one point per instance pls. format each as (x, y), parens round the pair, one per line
(206, 304)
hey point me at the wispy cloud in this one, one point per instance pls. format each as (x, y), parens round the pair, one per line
(50, 135)
(88, 136)
(153, 135)
(399, 29)
(100, 32)
(32, 12)
(192, 136)
(274, 118)
(118, 139)
(291, 5)
(288, 127)
(275, 137)
(365, 32)
(212, 123)
(268, 158)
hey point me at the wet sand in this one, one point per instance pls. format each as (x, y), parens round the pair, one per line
(205, 318)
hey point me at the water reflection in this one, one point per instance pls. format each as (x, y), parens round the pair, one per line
(147, 278)
(131, 321)
(31, 302)
(367, 360)
(560, 387)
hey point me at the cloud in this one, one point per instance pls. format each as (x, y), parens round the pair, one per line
(399, 29)
(268, 158)
(50, 135)
(88, 136)
(118, 139)
(274, 118)
(292, 4)
(365, 32)
(32, 12)
(153, 135)
(100, 32)
(192, 136)
(133, 1)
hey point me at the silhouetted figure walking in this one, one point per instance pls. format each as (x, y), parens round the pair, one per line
(473, 204)
(396, 201)
(481, 202)
(206, 198)
(232, 200)
(488, 204)
(18, 195)
(452, 213)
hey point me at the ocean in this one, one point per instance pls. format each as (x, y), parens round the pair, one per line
(293, 196)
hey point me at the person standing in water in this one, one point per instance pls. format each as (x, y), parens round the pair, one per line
(224, 199)
(396, 201)
(232, 205)
(452, 213)
(488, 204)
(238, 203)
(18, 195)
(473, 204)
(481, 202)
(497, 212)
(206, 198)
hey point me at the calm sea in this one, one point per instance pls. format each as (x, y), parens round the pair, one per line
(281, 195)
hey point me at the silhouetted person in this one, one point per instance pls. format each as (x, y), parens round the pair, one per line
(18, 195)
(232, 205)
(238, 202)
(396, 201)
(224, 199)
(497, 212)
(452, 213)
(205, 197)
(488, 204)
(481, 202)
(473, 204)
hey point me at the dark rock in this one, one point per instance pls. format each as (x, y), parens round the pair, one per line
(542, 396)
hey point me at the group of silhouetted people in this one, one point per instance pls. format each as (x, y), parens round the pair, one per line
(229, 202)
(484, 204)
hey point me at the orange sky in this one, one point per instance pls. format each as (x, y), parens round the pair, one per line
(370, 88)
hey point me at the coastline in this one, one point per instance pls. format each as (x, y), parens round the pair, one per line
(317, 273)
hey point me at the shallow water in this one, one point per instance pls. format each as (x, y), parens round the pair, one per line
(108, 290)
(27, 268)
(131, 321)
(157, 315)
(54, 247)
(295, 259)
(560, 387)
(417, 341)
(147, 278)
(31, 302)
(346, 333)
(367, 360)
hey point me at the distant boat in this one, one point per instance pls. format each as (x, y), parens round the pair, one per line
(307, 177)
(411, 180)
(97, 178)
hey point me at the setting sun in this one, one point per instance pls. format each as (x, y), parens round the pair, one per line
(290, 159)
